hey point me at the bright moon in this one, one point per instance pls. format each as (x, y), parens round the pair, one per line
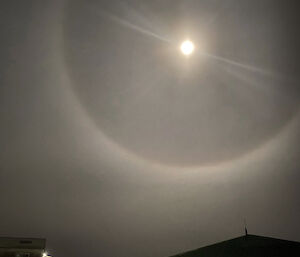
(187, 47)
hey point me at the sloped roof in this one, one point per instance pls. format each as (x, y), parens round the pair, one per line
(247, 246)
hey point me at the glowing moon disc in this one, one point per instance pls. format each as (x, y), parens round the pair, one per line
(187, 47)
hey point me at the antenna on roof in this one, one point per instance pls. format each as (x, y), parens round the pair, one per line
(246, 231)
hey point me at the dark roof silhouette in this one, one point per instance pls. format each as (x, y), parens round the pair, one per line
(247, 246)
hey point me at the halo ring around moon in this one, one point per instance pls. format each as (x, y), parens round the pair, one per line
(144, 98)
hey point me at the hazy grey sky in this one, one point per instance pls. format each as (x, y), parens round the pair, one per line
(112, 143)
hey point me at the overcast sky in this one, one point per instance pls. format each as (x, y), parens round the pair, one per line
(112, 143)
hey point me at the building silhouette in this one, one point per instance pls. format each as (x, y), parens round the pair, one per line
(22, 247)
(247, 246)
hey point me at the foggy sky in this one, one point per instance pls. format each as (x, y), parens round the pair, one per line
(114, 144)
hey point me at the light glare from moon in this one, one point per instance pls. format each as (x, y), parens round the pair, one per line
(187, 47)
